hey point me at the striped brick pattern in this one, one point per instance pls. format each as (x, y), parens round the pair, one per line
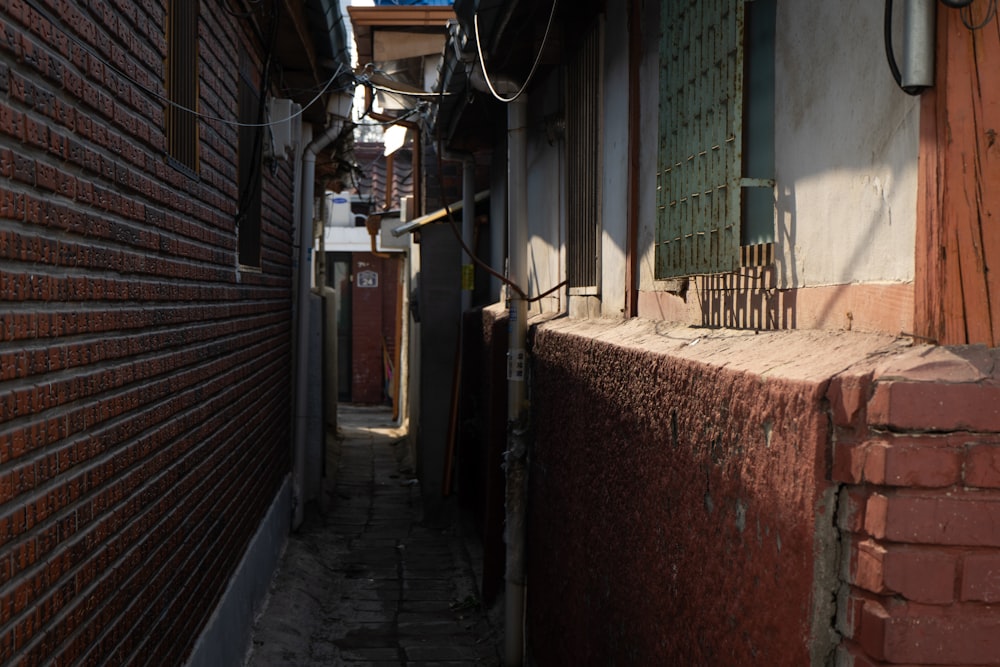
(144, 380)
(917, 450)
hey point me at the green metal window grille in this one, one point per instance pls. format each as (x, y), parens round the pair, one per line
(701, 171)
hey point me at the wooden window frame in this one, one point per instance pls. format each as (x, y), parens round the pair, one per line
(182, 90)
(250, 156)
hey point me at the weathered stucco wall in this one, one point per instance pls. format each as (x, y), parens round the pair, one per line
(846, 141)
(681, 511)
(546, 166)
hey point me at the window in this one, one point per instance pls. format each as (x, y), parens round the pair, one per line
(716, 153)
(182, 83)
(251, 137)
(583, 147)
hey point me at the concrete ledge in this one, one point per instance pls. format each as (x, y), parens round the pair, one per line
(227, 635)
(809, 356)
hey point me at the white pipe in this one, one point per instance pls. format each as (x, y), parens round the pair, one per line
(305, 236)
(498, 233)
(468, 226)
(304, 135)
(517, 413)
(516, 456)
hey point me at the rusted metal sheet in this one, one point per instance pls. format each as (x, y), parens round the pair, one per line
(958, 235)
(701, 143)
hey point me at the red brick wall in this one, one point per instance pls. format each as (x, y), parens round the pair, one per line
(714, 499)
(676, 495)
(374, 314)
(918, 450)
(143, 382)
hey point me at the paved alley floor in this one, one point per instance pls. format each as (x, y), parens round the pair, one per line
(363, 582)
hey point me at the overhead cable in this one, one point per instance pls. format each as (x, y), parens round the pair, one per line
(534, 66)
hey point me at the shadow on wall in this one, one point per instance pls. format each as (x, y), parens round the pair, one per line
(745, 300)
(683, 496)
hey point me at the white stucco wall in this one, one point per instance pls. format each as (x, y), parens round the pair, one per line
(615, 186)
(846, 142)
(845, 150)
(546, 159)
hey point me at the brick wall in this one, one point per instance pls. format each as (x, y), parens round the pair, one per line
(681, 511)
(143, 380)
(711, 497)
(917, 447)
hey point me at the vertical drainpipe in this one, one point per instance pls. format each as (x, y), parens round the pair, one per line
(517, 408)
(302, 304)
(634, 139)
(516, 456)
(468, 224)
(304, 135)
(498, 233)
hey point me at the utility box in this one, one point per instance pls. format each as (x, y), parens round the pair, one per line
(338, 209)
(284, 135)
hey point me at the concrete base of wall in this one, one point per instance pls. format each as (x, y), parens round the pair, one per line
(681, 506)
(227, 634)
(315, 430)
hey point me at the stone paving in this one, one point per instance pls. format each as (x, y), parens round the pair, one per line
(364, 583)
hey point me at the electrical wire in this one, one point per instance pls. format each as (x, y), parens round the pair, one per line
(966, 13)
(534, 66)
(449, 216)
(386, 123)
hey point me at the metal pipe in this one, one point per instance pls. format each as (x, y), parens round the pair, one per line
(498, 232)
(516, 456)
(634, 142)
(917, 68)
(454, 207)
(303, 134)
(304, 234)
(468, 228)
(517, 409)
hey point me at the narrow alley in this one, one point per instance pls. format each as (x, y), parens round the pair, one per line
(363, 582)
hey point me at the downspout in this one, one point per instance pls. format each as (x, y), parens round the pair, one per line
(498, 233)
(468, 227)
(468, 273)
(516, 457)
(302, 303)
(373, 224)
(634, 138)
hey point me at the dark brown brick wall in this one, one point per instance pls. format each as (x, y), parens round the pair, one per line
(144, 382)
